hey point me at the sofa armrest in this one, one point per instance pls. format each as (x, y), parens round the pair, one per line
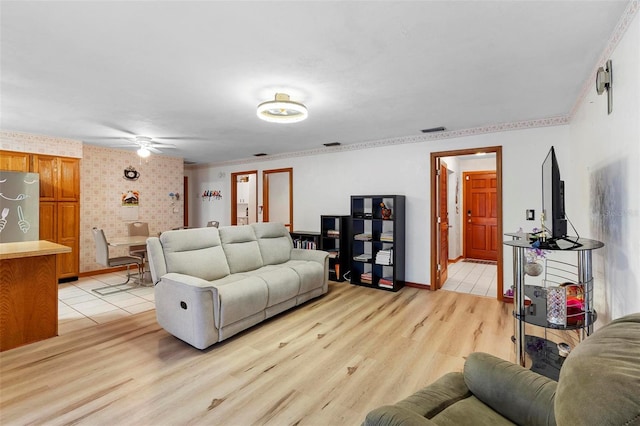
(313, 255)
(189, 280)
(522, 396)
(392, 415)
(155, 254)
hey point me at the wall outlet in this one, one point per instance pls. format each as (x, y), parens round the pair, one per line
(531, 214)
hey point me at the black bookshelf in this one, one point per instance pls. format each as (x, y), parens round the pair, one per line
(335, 240)
(376, 242)
(306, 240)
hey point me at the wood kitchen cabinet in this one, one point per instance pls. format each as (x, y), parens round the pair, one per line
(14, 161)
(59, 203)
(60, 208)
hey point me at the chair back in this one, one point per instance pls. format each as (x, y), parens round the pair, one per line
(138, 229)
(213, 223)
(102, 247)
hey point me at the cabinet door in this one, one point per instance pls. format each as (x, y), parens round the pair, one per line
(48, 168)
(14, 161)
(68, 179)
(48, 222)
(68, 235)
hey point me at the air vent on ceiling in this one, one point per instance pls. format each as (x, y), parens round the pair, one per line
(261, 154)
(434, 129)
(331, 144)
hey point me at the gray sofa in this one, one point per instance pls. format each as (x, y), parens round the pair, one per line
(599, 384)
(212, 283)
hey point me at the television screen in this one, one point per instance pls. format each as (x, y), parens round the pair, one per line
(553, 197)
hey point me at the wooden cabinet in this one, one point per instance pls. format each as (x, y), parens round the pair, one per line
(59, 203)
(60, 208)
(59, 177)
(377, 241)
(14, 161)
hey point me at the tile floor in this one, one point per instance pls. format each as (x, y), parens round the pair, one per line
(79, 307)
(472, 278)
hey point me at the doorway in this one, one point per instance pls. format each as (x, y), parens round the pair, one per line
(277, 196)
(438, 273)
(244, 197)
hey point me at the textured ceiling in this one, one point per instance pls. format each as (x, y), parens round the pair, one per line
(192, 73)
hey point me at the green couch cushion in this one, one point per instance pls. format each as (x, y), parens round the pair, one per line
(522, 396)
(600, 380)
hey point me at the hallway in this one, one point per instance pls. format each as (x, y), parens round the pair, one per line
(467, 276)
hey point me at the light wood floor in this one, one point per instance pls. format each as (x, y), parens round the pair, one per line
(327, 362)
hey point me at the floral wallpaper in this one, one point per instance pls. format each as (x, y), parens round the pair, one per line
(103, 185)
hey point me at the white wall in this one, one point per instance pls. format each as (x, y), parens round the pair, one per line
(602, 163)
(323, 183)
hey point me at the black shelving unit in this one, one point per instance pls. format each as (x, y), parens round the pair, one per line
(306, 239)
(335, 240)
(376, 242)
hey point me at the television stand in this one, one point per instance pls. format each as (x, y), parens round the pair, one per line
(553, 243)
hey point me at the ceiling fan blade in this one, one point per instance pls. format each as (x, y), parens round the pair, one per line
(152, 149)
(161, 145)
(118, 128)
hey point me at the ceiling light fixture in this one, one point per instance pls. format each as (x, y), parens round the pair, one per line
(143, 152)
(282, 110)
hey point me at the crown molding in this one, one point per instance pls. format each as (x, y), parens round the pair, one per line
(621, 28)
(475, 131)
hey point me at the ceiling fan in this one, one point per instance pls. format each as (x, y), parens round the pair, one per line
(146, 146)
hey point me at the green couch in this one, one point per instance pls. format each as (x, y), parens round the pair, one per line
(599, 384)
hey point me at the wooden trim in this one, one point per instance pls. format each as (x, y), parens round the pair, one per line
(265, 193)
(416, 285)
(185, 201)
(102, 271)
(433, 167)
(234, 194)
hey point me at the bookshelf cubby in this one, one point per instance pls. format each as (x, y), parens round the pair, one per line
(376, 242)
(335, 240)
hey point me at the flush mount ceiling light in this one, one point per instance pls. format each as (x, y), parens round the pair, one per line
(282, 110)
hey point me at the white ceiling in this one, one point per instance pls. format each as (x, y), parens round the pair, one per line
(194, 71)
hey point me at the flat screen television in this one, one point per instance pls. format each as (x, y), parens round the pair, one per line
(555, 222)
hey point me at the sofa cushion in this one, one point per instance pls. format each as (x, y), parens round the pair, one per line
(241, 248)
(600, 379)
(240, 298)
(311, 274)
(197, 252)
(274, 241)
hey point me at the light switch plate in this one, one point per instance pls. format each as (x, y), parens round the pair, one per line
(531, 214)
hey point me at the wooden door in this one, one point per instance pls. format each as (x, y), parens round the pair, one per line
(68, 216)
(443, 219)
(481, 215)
(14, 161)
(47, 167)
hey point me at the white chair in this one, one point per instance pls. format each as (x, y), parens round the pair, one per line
(213, 223)
(102, 257)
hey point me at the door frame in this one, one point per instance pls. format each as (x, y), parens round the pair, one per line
(435, 156)
(234, 194)
(265, 194)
